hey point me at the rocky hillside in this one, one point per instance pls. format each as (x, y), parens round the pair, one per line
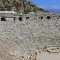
(20, 6)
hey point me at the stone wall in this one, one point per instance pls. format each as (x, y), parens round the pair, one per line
(20, 38)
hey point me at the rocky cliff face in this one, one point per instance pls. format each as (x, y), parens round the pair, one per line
(19, 38)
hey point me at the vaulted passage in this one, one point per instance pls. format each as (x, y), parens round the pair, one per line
(20, 18)
(48, 17)
(14, 18)
(27, 18)
(3, 19)
(41, 17)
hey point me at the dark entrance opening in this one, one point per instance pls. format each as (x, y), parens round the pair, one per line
(41, 17)
(48, 17)
(3, 19)
(27, 18)
(14, 18)
(20, 18)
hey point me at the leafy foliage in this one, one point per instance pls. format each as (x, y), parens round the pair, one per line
(21, 6)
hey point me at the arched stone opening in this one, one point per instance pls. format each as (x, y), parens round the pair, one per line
(20, 18)
(27, 18)
(48, 17)
(41, 17)
(3, 19)
(14, 18)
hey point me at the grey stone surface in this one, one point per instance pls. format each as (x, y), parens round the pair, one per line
(19, 38)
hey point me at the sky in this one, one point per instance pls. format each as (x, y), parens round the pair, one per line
(47, 3)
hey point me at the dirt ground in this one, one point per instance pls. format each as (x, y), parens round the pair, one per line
(48, 56)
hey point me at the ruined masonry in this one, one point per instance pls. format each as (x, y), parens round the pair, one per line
(22, 34)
